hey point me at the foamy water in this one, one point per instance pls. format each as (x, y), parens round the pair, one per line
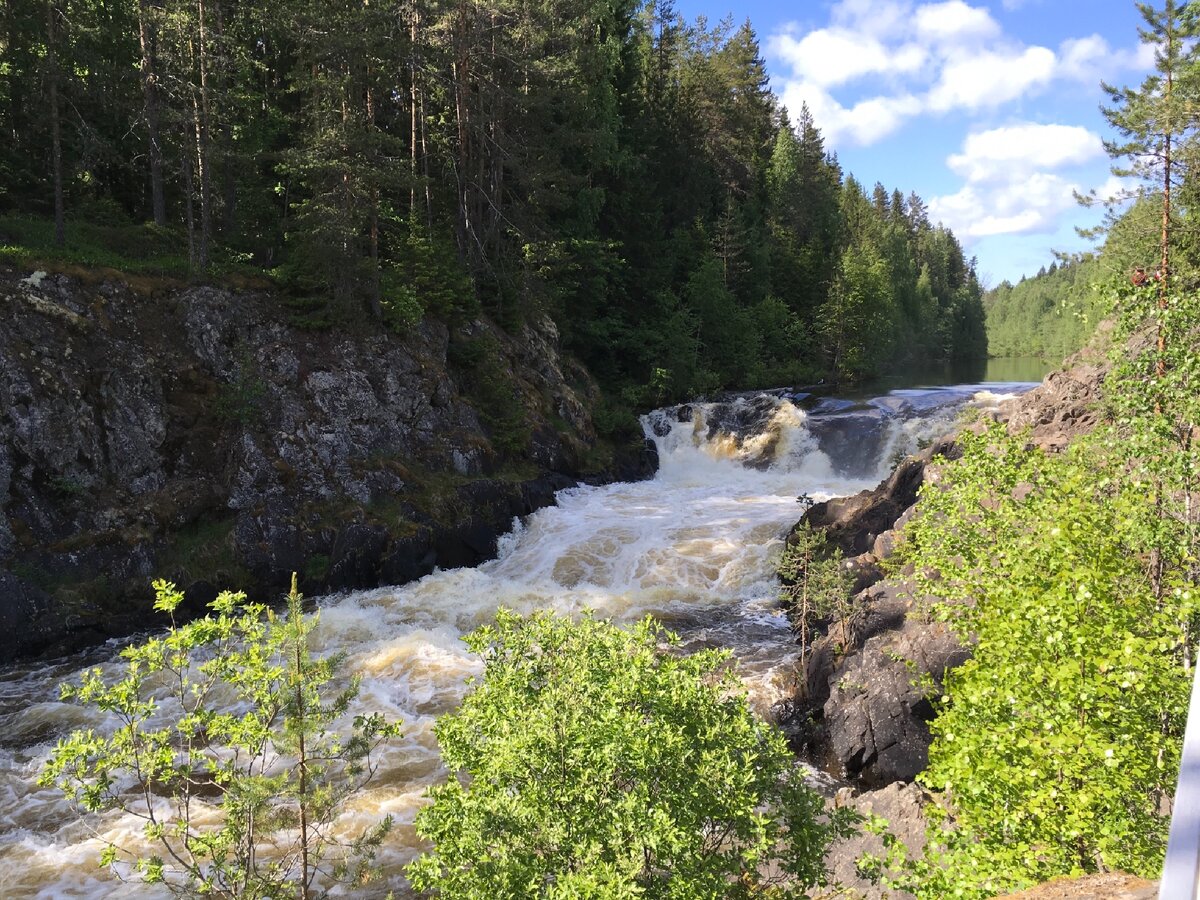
(693, 547)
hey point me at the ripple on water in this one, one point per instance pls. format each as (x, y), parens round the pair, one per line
(692, 547)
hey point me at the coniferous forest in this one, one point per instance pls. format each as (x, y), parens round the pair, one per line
(356, 300)
(608, 163)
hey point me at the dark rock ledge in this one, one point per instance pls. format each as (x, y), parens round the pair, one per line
(198, 433)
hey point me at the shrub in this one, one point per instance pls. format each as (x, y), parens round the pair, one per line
(236, 795)
(590, 762)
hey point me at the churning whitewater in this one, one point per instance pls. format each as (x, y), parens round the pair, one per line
(693, 547)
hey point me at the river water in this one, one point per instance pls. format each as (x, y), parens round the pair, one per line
(694, 547)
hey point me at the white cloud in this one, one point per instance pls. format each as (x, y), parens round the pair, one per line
(1083, 58)
(864, 123)
(1011, 183)
(1033, 204)
(954, 21)
(1015, 150)
(991, 78)
(877, 65)
(833, 56)
(878, 18)
(923, 58)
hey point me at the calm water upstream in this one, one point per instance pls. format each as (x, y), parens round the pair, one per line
(694, 546)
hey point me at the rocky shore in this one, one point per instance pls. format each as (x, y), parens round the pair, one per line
(862, 707)
(200, 434)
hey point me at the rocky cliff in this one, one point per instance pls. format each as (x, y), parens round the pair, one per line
(863, 705)
(196, 433)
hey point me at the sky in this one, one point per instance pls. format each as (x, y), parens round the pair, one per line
(990, 111)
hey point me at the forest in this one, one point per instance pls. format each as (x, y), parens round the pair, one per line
(631, 176)
(601, 161)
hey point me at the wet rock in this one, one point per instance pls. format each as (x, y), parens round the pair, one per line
(26, 618)
(902, 807)
(409, 557)
(357, 557)
(468, 544)
(853, 523)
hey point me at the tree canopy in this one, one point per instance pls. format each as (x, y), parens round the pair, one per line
(602, 161)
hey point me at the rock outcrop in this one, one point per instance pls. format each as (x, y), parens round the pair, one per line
(864, 702)
(196, 433)
(901, 806)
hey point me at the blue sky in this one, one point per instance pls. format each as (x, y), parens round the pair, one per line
(988, 110)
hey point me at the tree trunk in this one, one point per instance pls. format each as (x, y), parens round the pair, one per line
(373, 222)
(147, 39)
(60, 216)
(202, 139)
(462, 87)
(412, 112)
(228, 168)
(185, 161)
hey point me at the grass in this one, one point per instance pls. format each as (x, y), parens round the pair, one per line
(203, 551)
(130, 249)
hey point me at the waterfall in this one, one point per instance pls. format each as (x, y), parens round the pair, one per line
(693, 547)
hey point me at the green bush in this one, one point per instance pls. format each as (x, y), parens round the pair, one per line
(591, 762)
(225, 744)
(1058, 741)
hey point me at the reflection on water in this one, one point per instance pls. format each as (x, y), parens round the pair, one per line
(694, 547)
(1024, 369)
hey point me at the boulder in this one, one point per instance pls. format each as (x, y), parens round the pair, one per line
(853, 523)
(902, 807)
(865, 705)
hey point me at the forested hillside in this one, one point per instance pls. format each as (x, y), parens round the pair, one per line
(1050, 315)
(1053, 313)
(608, 163)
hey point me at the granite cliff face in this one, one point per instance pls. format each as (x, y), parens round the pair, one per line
(194, 433)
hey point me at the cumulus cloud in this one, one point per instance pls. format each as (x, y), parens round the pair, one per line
(833, 56)
(919, 58)
(863, 123)
(1012, 183)
(991, 78)
(1015, 150)
(954, 21)
(1010, 207)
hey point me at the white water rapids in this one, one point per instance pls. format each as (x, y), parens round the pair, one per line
(694, 547)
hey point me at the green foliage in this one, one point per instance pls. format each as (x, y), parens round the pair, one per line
(1050, 315)
(816, 586)
(1076, 577)
(489, 385)
(136, 249)
(1059, 739)
(589, 762)
(225, 738)
(605, 163)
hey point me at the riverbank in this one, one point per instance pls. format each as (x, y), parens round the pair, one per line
(199, 433)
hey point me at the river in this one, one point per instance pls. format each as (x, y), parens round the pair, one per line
(693, 546)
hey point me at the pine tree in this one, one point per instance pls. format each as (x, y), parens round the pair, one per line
(1158, 119)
